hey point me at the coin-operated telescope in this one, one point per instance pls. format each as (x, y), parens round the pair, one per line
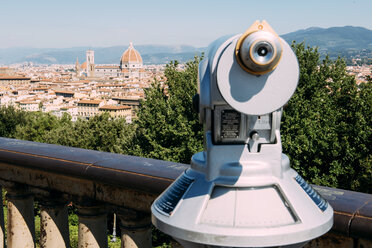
(240, 191)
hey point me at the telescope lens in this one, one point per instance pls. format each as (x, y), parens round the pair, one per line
(262, 52)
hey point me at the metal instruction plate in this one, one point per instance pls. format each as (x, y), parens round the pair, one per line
(171, 197)
(230, 124)
(314, 195)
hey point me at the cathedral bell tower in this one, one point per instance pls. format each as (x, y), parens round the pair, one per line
(77, 67)
(90, 63)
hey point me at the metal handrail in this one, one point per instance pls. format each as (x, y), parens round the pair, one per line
(353, 210)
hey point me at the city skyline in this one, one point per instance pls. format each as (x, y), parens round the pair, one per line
(41, 24)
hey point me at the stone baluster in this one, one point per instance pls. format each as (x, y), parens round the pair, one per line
(21, 220)
(135, 229)
(92, 231)
(54, 230)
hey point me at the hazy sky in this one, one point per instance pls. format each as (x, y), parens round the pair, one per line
(69, 23)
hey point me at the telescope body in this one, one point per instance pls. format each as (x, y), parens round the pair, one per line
(240, 191)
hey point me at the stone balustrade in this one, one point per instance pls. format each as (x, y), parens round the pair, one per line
(100, 183)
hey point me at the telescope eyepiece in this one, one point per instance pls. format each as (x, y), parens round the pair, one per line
(259, 52)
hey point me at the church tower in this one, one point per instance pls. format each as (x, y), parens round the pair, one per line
(90, 63)
(77, 67)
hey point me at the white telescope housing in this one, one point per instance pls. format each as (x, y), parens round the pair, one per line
(240, 191)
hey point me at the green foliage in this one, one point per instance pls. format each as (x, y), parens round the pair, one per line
(99, 133)
(73, 221)
(37, 125)
(326, 127)
(74, 236)
(9, 119)
(116, 244)
(167, 126)
(37, 230)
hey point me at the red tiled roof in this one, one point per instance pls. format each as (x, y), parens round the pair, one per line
(90, 101)
(14, 78)
(64, 92)
(114, 107)
(84, 65)
(107, 67)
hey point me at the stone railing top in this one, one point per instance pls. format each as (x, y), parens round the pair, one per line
(145, 174)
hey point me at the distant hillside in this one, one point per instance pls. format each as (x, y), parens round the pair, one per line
(345, 41)
(337, 38)
(348, 42)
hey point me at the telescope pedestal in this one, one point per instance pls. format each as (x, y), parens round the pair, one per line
(252, 206)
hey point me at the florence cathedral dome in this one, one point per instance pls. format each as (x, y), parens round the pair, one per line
(131, 58)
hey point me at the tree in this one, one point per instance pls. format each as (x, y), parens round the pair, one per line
(167, 126)
(36, 126)
(103, 133)
(98, 133)
(9, 119)
(326, 127)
